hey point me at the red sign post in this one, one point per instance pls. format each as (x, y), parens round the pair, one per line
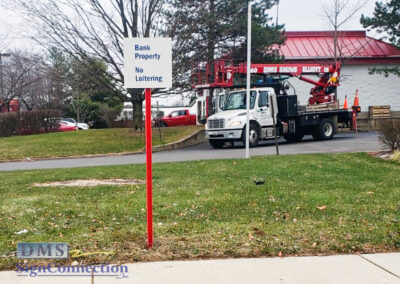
(149, 170)
(148, 65)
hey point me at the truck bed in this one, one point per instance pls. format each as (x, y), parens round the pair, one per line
(331, 108)
(325, 110)
(289, 110)
(320, 107)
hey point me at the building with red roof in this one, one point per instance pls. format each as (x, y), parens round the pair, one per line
(358, 54)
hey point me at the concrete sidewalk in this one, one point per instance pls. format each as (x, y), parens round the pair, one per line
(371, 268)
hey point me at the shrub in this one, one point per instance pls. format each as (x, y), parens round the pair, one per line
(389, 134)
(30, 122)
(50, 120)
(112, 119)
(8, 124)
(396, 156)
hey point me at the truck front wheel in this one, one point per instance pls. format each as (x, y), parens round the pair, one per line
(325, 130)
(254, 136)
(217, 144)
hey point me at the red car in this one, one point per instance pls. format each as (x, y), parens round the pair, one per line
(179, 118)
(64, 127)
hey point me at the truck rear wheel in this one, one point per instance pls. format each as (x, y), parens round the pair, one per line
(295, 137)
(254, 135)
(325, 130)
(217, 144)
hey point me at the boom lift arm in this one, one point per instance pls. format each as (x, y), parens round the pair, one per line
(225, 75)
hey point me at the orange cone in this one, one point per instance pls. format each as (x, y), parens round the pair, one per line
(356, 109)
(356, 100)
(345, 106)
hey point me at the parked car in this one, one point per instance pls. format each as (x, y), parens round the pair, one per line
(71, 121)
(178, 118)
(65, 127)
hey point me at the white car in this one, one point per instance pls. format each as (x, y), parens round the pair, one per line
(71, 121)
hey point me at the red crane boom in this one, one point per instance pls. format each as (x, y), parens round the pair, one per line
(223, 75)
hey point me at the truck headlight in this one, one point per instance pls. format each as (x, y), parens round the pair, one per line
(235, 123)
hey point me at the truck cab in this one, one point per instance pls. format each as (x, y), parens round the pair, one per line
(228, 125)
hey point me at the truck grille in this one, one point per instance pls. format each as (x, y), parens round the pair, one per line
(215, 123)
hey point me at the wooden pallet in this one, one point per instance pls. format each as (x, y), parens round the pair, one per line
(379, 111)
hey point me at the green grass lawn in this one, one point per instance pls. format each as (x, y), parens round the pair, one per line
(215, 212)
(94, 141)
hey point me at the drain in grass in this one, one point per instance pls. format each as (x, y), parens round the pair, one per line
(90, 182)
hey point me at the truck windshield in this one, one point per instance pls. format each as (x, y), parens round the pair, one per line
(237, 100)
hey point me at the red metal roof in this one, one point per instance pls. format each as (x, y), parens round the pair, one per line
(318, 45)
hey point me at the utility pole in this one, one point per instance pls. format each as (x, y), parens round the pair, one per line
(248, 82)
(1, 74)
(277, 13)
(159, 120)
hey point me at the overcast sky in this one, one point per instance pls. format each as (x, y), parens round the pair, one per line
(297, 15)
(307, 15)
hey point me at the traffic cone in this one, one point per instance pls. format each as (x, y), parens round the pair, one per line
(356, 109)
(345, 106)
(356, 100)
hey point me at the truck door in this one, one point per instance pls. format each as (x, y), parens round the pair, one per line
(174, 118)
(220, 97)
(180, 119)
(221, 102)
(184, 117)
(263, 114)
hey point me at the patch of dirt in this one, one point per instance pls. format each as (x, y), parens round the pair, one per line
(90, 182)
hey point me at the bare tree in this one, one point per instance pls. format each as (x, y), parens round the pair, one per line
(23, 77)
(35, 91)
(338, 13)
(6, 38)
(29, 78)
(95, 29)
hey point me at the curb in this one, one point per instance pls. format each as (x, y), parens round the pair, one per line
(196, 138)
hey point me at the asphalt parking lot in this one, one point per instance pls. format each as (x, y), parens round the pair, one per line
(344, 142)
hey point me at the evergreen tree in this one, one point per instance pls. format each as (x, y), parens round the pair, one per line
(204, 30)
(386, 20)
(86, 97)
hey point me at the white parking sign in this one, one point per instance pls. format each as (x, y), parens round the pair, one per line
(148, 63)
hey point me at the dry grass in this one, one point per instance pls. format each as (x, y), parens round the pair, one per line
(396, 156)
(309, 205)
